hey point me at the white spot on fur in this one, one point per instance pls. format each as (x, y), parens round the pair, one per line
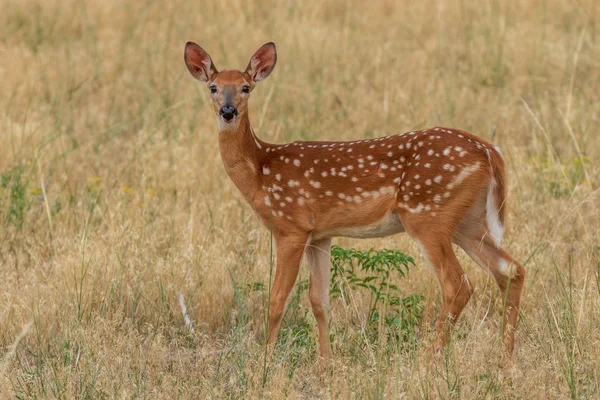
(415, 210)
(507, 269)
(464, 173)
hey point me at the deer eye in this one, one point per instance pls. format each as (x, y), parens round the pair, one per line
(246, 89)
(213, 89)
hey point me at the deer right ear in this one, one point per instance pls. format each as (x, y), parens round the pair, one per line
(198, 62)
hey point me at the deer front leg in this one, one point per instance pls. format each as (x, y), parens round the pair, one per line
(317, 253)
(289, 256)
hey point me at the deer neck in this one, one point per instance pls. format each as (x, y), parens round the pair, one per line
(241, 152)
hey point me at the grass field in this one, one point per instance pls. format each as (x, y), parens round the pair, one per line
(113, 197)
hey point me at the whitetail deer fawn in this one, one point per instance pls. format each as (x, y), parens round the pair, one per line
(440, 185)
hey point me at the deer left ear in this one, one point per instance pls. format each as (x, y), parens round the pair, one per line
(262, 62)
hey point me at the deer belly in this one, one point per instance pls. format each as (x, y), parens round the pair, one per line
(388, 225)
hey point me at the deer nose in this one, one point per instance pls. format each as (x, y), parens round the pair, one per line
(228, 112)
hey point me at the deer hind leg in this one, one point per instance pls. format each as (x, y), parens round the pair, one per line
(289, 256)
(455, 286)
(318, 255)
(508, 273)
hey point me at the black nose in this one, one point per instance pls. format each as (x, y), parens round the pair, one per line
(228, 112)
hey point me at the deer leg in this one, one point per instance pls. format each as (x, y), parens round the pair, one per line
(508, 274)
(455, 286)
(289, 256)
(317, 253)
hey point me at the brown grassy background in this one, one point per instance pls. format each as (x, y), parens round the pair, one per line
(113, 198)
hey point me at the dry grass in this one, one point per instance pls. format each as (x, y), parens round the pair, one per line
(114, 199)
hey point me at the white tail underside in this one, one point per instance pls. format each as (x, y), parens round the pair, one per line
(493, 221)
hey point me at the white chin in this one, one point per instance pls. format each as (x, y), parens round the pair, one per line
(227, 125)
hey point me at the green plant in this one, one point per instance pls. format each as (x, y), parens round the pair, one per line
(561, 178)
(375, 271)
(13, 193)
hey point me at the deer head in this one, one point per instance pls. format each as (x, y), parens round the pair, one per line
(230, 89)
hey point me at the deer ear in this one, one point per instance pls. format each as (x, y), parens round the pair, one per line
(198, 62)
(262, 62)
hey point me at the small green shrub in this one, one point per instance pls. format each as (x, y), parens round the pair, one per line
(375, 272)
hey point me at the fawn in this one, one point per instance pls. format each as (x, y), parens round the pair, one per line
(439, 185)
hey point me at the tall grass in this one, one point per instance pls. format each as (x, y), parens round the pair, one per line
(113, 199)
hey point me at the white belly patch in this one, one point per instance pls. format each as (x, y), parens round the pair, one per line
(388, 225)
